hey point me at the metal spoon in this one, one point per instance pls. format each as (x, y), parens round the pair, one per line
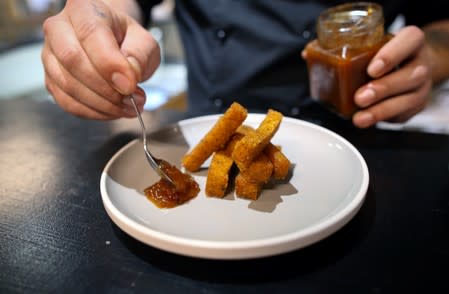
(154, 162)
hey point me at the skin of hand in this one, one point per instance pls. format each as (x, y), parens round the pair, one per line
(403, 72)
(402, 80)
(94, 55)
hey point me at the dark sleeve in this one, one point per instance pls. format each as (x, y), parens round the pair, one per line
(145, 7)
(417, 12)
(423, 12)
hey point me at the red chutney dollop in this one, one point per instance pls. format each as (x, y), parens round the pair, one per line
(166, 195)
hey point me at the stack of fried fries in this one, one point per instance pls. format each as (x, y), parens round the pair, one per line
(229, 141)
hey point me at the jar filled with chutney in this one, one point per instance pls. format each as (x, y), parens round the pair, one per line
(349, 35)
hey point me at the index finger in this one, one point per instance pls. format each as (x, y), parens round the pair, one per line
(100, 32)
(405, 44)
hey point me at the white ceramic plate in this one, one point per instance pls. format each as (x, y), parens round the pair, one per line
(328, 183)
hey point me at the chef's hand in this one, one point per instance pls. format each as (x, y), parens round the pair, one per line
(402, 80)
(94, 56)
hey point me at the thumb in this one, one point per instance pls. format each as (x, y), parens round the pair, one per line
(135, 66)
(141, 49)
(98, 29)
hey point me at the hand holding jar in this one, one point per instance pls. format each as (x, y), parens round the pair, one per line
(364, 74)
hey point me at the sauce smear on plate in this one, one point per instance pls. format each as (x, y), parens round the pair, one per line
(165, 195)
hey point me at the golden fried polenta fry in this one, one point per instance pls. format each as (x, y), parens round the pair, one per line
(235, 138)
(245, 130)
(259, 170)
(216, 138)
(246, 189)
(253, 143)
(218, 174)
(281, 164)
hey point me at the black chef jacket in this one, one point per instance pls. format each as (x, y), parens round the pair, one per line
(250, 50)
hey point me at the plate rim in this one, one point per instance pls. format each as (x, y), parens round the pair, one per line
(237, 249)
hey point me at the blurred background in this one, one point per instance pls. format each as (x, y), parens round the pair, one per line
(21, 71)
(21, 20)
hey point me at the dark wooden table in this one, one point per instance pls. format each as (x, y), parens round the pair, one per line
(55, 235)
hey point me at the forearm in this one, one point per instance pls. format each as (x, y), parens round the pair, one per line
(129, 7)
(437, 39)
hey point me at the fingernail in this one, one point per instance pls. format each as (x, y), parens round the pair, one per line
(121, 83)
(366, 97)
(135, 65)
(129, 110)
(418, 72)
(304, 54)
(138, 98)
(364, 119)
(376, 67)
(127, 101)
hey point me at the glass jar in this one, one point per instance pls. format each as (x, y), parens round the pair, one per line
(349, 35)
